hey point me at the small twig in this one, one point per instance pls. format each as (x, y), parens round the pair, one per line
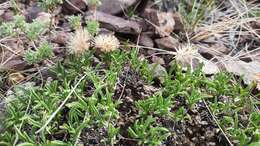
(74, 6)
(9, 49)
(155, 49)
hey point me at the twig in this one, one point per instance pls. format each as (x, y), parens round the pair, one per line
(155, 49)
(74, 6)
(10, 49)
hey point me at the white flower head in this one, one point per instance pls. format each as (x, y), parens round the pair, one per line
(106, 42)
(186, 53)
(79, 42)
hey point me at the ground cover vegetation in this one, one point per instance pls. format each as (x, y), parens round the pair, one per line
(152, 72)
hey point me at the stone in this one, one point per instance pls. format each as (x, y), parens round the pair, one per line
(158, 71)
(146, 40)
(168, 43)
(114, 23)
(115, 6)
(162, 22)
(179, 26)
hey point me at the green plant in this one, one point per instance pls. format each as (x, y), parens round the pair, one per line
(34, 30)
(93, 27)
(141, 66)
(13, 28)
(49, 4)
(20, 22)
(112, 133)
(7, 29)
(157, 104)
(194, 97)
(43, 52)
(194, 11)
(75, 21)
(94, 2)
(88, 87)
(147, 134)
(180, 114)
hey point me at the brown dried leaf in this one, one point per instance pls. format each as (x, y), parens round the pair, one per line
(11, 56)
(249, 71)
(15, 78)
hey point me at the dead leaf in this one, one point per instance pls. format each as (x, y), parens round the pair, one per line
(215, 49)
(250, 71)
(15, 78)
(11, 53)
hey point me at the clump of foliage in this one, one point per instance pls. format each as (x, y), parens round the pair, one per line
(43, 52)
(75, 21)
(49, 4)
(93, 2)
(156, 104)
(100, 110)
(194, 11)
(20, 27)
(81, 96)
(147, 134)
(93, 27)
(32, 31)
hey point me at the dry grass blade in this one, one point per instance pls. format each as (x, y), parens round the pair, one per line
(220, 27)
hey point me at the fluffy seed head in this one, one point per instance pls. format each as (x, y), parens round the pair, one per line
(106, 43)
(185, 53)
(79, 42)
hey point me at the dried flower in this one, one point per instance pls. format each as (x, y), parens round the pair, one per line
(185, 54)
(106, 43)
(79, 42)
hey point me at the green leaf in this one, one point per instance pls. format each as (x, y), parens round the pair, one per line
(57, 143)
(255, 144)
(26, 144)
